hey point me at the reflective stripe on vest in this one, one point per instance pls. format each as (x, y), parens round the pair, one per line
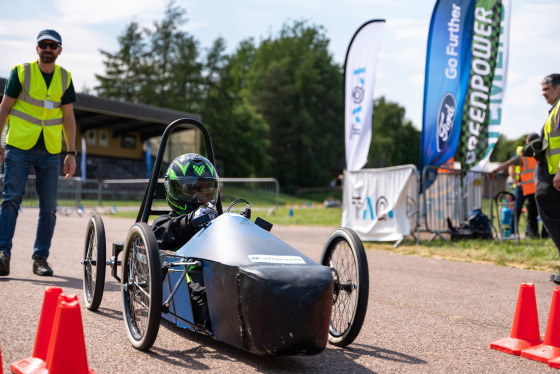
(552, 134)
(38, 108)
(526, 175)
(517, 168)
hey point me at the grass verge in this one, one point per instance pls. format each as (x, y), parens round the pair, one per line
(535, 254)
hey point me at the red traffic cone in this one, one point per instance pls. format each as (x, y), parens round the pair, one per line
(67, 349)
(46, 319)
(550, 348)
(525, 328)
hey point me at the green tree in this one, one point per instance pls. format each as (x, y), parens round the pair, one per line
(123, 69)
(295, 85)
(240, 135)
(175, 69)
(505, 148)
(395, 141)
(158, 67)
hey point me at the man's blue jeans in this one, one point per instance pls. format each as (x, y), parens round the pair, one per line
(17, 164)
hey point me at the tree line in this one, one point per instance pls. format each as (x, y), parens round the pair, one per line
(274, 108)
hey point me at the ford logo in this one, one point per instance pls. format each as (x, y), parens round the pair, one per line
(445, 118)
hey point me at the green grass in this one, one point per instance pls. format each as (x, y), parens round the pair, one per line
(304, 216)
(305, 210)
(535, 254)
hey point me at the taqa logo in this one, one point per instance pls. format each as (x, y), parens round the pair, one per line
(357, 93)
(445, 118)
(382, 209)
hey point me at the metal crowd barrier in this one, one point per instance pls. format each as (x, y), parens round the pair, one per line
(75, 194)
(449, 195)
(444, 195)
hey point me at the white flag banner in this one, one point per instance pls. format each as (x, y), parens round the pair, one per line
(380, 204)
(359, 81)
(83, 163)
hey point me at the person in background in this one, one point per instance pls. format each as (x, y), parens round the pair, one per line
(547, 174)
(37, 108)
(521, 170)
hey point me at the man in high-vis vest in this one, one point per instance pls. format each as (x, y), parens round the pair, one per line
(37, 109)
(547, 174)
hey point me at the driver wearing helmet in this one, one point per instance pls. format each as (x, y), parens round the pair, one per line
(191, 190)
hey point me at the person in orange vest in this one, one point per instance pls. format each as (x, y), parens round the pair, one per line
(37, 108)
(524, 189)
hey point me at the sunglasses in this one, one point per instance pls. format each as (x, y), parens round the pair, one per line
(44, 45)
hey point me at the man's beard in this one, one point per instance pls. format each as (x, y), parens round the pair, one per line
(47, 59)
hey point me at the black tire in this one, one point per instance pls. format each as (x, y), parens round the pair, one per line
(94, 262)
(345, 255)
(141, 286)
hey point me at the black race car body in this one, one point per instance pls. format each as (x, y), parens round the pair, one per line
(263, 295)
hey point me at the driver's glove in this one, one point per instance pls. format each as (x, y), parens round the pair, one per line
(205, 211)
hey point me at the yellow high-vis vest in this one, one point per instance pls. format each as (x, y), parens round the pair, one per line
(552, 134)
(38, 108)
(517, 167)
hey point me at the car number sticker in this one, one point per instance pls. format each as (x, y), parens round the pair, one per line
(277, 259)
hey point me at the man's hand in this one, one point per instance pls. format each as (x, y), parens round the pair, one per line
(556, 180)
(69, 166)
(1, 154)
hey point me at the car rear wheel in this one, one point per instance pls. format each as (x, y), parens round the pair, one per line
(94, 263)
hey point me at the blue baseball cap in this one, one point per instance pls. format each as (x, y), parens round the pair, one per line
(49, 35)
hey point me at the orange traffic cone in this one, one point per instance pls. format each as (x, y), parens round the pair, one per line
(67, 348)
(525, 329)
(44, 331)
(550, 348)
(37, 360)
(555, 363)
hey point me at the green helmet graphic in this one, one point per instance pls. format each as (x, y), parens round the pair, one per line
(190, 181)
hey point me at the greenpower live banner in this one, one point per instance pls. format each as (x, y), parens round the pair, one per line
(466, 65)
(482, 111)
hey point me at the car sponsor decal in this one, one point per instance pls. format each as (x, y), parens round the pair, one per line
(277, 259)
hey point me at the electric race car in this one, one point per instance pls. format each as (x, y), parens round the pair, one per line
(261, 294)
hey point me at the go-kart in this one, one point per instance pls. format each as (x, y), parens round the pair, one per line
(262, 295)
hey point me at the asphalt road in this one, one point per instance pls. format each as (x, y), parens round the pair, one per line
(425, 315)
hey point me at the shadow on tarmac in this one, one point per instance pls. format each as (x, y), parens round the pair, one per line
(330, 360)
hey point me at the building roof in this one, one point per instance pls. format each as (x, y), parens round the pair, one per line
(122, 117)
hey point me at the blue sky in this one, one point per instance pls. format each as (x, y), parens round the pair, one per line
(88, 26)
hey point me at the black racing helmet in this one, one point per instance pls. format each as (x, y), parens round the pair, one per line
(191, 180)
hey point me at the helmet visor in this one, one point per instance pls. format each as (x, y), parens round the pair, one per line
(194, 190)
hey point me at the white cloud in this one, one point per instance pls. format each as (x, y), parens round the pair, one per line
(99, 12)
(87, 27)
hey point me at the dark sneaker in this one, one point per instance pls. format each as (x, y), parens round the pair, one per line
(555, 278)
(42, 267)
(4, 264)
